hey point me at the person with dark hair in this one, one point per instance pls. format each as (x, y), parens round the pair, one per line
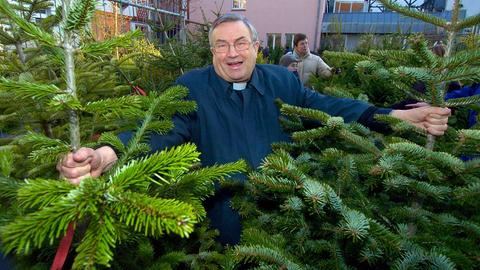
(310, 64)
(237, 117)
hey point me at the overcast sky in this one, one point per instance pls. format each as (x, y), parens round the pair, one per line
(472, 6)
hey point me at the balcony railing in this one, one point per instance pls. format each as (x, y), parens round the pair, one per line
(380, 23)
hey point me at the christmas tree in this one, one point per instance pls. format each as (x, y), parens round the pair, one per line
(343, 197)
(66, 106)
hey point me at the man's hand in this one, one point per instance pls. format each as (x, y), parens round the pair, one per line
(433, 119)
(86, 162)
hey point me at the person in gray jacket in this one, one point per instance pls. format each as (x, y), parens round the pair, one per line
(310, 64)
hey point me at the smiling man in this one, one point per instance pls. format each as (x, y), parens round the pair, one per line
(236, 115)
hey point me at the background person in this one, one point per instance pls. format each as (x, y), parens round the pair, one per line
(290, 62)
(310, 64)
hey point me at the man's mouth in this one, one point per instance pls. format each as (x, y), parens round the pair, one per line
(235, 64)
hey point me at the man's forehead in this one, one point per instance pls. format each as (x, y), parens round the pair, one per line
(222, 39)
(221, 31)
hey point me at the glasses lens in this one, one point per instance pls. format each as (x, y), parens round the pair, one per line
(242, 45)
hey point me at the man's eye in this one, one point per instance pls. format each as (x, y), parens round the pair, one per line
(221, 46)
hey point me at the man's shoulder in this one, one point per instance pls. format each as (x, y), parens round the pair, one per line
(315, 57)
(271, 70)
(195, 76)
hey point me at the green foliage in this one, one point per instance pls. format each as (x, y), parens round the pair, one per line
(145, 198)
(80, 15)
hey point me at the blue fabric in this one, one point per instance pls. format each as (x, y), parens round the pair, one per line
(466, 91)
(230, 125)
(225, 128)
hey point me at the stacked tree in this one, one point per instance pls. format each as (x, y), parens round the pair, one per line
(73, 96)
(342, 197)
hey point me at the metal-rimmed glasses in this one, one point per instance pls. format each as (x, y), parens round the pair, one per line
(239, 45)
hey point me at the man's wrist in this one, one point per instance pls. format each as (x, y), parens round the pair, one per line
(398, 114)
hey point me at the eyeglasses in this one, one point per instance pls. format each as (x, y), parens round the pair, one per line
(239, 45)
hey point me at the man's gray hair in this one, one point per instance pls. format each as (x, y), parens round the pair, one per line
(231, 17)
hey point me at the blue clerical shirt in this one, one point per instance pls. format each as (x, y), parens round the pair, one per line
(229, 125)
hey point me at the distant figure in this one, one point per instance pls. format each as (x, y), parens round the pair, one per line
(439, 49)
(287, 50)
(310, 64)
(290, 62)
(266, 52)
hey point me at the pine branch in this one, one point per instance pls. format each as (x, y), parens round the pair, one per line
(80, 14)
(304, 112)
(312, 134)
(9, 188)
(467, 193)
(124, 106)
(359, 142)
(200, 182)
(456, 102)
(468, 22)
(29, 28)
(160, 127)
(40, 193)
(27, 90)
(337, 92)
(107, 46)
(152, 216)
(33, 230)
(419, 74)
(398, 56)
(259, 237)
(113, 140)
(160, 166)
(354, 225)
(97, 246)
(391, 240)
(293, 205)
(273, 184)
(461, 73)
(48, 155)
(416, 152)
(38, 141)
(348, 56)
(414, 14)
(315, 194)
(255, 253)
(461, 59)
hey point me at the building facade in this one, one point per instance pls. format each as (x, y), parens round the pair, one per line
(275, 20)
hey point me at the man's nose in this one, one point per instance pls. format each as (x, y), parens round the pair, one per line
(232, 52)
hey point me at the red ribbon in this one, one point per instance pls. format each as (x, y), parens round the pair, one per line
(63, 249)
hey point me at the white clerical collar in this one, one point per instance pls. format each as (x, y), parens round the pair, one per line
(239, 86)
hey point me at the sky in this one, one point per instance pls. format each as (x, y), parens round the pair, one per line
(472, 6)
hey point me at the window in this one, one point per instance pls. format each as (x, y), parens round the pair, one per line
(289, 40)
(274, 40)
(239, 4)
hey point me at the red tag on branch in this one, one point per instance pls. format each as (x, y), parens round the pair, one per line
(63, 248)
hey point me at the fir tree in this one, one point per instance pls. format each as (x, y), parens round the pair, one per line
(343, 197)
(149, 195)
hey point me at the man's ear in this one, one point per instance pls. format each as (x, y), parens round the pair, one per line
(256, 45)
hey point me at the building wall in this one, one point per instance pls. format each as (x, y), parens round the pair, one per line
(103, 24)
(269, 16)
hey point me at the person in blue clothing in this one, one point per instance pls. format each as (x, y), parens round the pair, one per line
(236, 116)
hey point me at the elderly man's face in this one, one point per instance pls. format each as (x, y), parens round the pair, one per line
(234, 53)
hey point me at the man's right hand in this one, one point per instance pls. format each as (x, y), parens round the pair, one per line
(86, 162)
